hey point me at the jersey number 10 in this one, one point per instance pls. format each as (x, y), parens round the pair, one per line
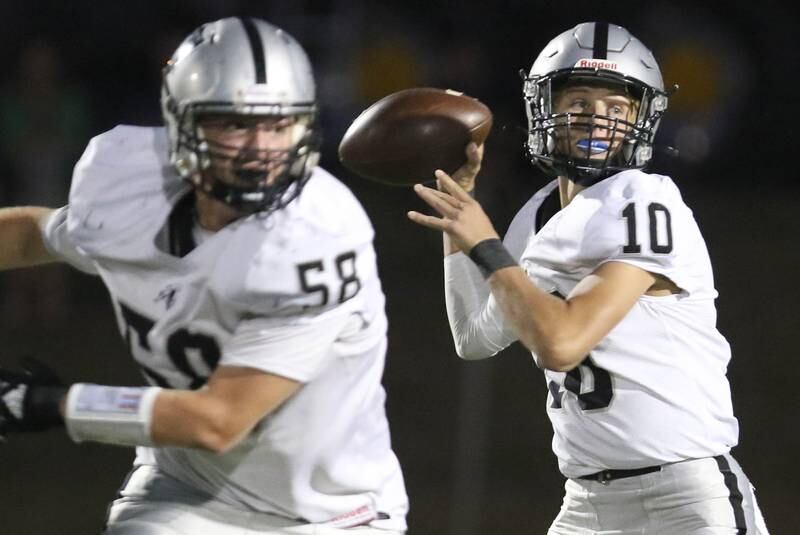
(590, 383)
(658, 244)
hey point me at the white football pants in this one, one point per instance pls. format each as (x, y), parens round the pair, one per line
(710, 496)
(156, 504)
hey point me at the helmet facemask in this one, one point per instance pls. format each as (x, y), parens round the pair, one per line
(246, 177)
(587, 147)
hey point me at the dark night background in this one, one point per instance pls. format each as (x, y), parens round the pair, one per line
(473, 437)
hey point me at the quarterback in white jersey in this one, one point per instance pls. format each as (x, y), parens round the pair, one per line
(605, 277)
(245, 282)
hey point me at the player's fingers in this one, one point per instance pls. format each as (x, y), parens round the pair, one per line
(441, 202)
(465, 175)
(432, 222)
(446, 197)
(451, 186)
(474, 157)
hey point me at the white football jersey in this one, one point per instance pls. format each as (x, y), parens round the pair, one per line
(654, 390)
(295, 294)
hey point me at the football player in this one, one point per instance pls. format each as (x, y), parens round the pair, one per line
(244, 280)
(604, 276)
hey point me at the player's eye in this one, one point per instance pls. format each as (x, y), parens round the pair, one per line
(283, 125)
(235, 126)
(579, 104)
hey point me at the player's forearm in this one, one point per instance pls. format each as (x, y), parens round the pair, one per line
(195, 419)
(543, 323)
(21, 240)
(215, 418)
(150, 416)
(220, 415)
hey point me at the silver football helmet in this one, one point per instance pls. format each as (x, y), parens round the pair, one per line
(241, 66)
(593, 53)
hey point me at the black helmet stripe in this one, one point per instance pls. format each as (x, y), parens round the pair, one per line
(257, 46)
(600, 40)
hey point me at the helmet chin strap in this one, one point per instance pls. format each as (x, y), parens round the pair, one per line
(236, 198)
(591, 177)
(284, 188)
(582, 176)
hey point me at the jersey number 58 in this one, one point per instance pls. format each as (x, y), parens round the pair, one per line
(312, 274)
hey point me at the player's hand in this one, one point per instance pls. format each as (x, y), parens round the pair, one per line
(466, 174)
(29, 398)
(462, 219)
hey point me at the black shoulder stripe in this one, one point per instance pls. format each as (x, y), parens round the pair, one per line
(550, 206)
(600, 40)
(257, 47)
(181, 222)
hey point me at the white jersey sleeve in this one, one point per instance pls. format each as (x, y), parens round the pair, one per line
(297, 348)
(57, 240)
(117, 186)
(476, 322)
(643, 221)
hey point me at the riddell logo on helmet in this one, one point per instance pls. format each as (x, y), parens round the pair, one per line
(595, 64)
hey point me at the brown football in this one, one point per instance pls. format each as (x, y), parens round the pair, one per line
(404, 137)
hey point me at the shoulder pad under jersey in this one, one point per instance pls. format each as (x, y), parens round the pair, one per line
(643, 220)
(302, 257)
(523, 226)
(119, 185)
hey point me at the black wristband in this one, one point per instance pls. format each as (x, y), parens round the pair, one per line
(491, 255)
(41, 407)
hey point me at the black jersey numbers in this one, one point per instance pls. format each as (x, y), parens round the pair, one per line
(307, 271)
(181, 344)
(346, 269)
(313, 276)
(660, 229)
(590, 383)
